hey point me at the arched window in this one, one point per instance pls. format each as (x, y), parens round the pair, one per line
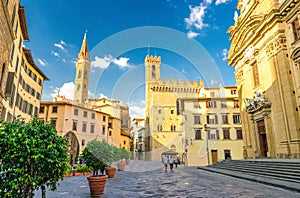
(153, 71)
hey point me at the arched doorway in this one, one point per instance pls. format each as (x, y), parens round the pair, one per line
(72, 147)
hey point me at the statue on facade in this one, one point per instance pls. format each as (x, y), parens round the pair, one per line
(257, 101)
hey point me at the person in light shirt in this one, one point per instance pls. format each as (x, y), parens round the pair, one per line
(165, 161)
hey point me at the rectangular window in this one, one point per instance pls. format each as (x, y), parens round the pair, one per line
(74, 125)
(296, 28)
(223, 105)
(75, 111)
(226, 134)
(36, 111)
(236, 104)
(82, 142)
(104, 118)
(92, 128)
(197, 119)
(103, 130)
(211, 104)
(53, 122)
(255, 75)
(25, 104)
(38, 95)
(233, 91)
(239, 134)
(196, 104)
(39, 81)
(93, 115)
(85, 113)
(197, 134)
(236, 119)
(172, 111)
(17, 65)
(212, 119)
(30, 111)
(54, 109)
(83, 126)
(224, 118)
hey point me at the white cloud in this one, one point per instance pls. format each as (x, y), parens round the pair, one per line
(55, 54)
(196, 17)
(208, 1)
(137, 109)
(224, 54)
(218, 2)
(122, 62)
(183, 71)
(213, 82)
(101, 95)
(192, 34)
(104, 62)
(59, 46)
(42, 62)
(67, 90)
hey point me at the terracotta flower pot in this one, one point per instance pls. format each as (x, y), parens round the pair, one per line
(121, 166)
(97, 184)
(127, 161)
(110, 171)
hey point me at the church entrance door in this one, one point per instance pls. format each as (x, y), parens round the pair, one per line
(263, 142)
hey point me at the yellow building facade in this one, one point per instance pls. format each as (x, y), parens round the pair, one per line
(8, 20)
(171, 118)
(118, 120)
(265, 54)
(24, 80)
(79, 125)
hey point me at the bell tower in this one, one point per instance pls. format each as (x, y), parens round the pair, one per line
(82, 73)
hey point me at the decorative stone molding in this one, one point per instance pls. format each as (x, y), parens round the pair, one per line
(276, 46)
(249, 54)
(239, 76)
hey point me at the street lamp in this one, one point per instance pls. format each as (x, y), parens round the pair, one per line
(207, 150)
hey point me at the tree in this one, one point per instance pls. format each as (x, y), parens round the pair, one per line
(32, 156)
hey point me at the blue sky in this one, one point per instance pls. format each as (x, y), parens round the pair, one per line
(189, 35)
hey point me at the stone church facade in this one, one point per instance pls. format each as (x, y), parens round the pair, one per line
(265, 51)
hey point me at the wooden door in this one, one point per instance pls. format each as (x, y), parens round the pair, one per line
(214, 156)
(263, 142)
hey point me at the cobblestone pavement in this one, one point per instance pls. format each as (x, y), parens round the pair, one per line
(148, 179)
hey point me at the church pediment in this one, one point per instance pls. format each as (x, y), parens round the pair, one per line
(245, 33)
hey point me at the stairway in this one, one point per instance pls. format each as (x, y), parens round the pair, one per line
(284, 173)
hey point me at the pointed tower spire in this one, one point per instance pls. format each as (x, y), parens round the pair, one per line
(82, 73)
(84, 52)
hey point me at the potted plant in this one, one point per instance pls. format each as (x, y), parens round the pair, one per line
(113, 152)
(124, 154)
(96, 157)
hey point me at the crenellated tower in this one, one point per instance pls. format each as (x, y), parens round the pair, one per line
(152, 68)
(82, 73)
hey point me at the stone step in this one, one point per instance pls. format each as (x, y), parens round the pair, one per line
(295, 170)
(256, 178)
(287, 176)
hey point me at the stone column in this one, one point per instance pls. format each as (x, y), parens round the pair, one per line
(254, 140)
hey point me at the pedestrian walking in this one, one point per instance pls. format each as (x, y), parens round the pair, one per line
(165, 161)
(176, 161)
(171, 162)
